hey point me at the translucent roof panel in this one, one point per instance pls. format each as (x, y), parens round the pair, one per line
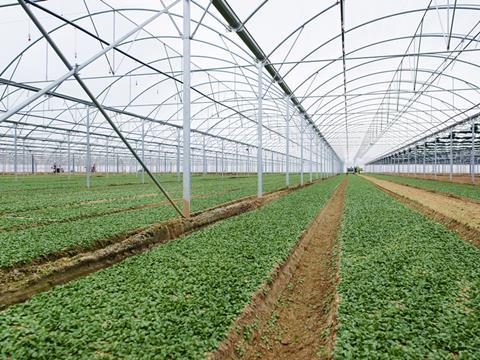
(403, 70)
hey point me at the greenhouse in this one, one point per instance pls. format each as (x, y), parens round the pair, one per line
(226, 179)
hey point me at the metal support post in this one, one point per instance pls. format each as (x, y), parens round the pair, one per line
(301, 150)
(287, 146)
(450, 175)
(472, 153)
(186, 107)
(223, 159)
(107, 156)
(177, 156)
(424, 155)
(15, 152)
(311, 157)
(88, 160)
(204, 156)
(259, 130)
(143, 150)
(68, 153)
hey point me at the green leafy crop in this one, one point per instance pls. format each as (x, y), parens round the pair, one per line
(175, 301)
(39, 218)
(465, 190)
(409, 288)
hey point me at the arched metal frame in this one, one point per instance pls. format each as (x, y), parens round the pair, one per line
(340, 106)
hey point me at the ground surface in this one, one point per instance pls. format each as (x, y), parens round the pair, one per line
(409, 288)
(457, 178)
(175, 301)
(301, 324)
(463, 211)
(468, 191)
(45, 215)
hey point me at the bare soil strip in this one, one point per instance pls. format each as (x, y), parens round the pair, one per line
(457, 178)
(459, 215)
(21, 282)
(293, 315)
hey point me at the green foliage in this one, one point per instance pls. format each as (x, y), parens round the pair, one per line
(409, 288)
(46, 214)
(175, 301)
(465, 190)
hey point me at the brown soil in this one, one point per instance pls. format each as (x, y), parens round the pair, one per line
(459, 215)
(293, 316)
(22, 281)
(459, 178)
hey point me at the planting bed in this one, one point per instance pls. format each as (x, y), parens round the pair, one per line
(456, 213)
(45, 215)
(177, 300)
(408, 288)
(468, 191)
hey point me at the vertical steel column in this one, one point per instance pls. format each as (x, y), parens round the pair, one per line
(24, 162)
(88, 165)
(272, 164)
(118, 163)
(472, 154)
(450, 175)
(311, 158)
(204, 156)
(333, 162)
(317, 165)
(236, 158)
(107, 157)
(159, 166)
(259, 129)
(73, 163)
(287, 145)
(415, 168)
(301, 149)
(186, 107)
(435, 159)
(323, 167)
(33, 164)
(424, 155)
(223, 159)
(143, 150)
(68, 152)
(177, 158)
(15, 154)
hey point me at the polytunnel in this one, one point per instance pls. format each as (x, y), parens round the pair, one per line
(125, 124)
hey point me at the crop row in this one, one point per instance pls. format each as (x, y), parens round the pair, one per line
(409, 288)
(177, 300)
(21, 246)
(468, 191)
(75, 193)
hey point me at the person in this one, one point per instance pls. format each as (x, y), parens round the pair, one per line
(54, 167)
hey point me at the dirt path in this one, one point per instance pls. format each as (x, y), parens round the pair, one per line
(299, 322)
(458, 178)
(462, 216)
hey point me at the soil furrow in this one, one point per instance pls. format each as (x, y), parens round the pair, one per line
(293, 317)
